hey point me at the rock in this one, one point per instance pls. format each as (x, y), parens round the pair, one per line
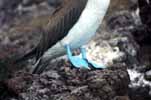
(148, 75)
(122, 98)
(61, 81)
(3, 71)
(144, 12)
(139, 93)
(31, 2)
(122, 5)
(66, 83)
(8, 5)
(17, 84)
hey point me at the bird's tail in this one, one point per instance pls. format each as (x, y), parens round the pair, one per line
(40, 66)
(25, 57)
(56, 51)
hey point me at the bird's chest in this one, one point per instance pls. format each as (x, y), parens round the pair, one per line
(83, 31)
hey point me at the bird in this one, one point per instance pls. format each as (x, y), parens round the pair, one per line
(71, 26)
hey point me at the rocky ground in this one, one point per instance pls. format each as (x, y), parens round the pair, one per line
(120, 46)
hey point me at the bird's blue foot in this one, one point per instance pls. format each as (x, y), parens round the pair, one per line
(81, 62)
(91, 63)
(76, 60)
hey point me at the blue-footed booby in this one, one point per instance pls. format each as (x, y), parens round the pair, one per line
(71, 26)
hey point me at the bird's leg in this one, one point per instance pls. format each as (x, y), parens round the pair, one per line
(91, 63)
(83, 52)
(76, 61)
(69, 52)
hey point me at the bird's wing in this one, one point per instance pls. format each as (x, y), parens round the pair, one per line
(58, 26)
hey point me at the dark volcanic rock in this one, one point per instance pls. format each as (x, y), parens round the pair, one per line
(140, 93)
(7, 4)
(137, 48)
(66, 83)
(145, 12)
(30, 2)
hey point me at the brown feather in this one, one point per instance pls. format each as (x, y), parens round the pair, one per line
(62, 20)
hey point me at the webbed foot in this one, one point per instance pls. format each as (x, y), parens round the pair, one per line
(76, 61)
(92, 64)
(82, 62)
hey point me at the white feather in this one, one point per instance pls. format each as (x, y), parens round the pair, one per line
(87, 24)
(84, 29)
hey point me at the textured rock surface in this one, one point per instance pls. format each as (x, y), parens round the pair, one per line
(116, 48)
(63, 82)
